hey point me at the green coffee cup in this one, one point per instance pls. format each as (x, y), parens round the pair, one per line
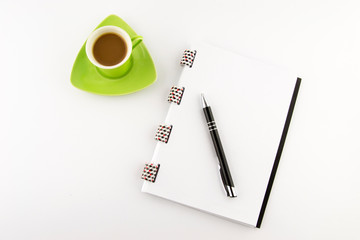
(109, 49)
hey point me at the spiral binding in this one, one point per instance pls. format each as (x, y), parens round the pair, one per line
(176, 94)
(188, 58)
(163, 133)
(150, 172)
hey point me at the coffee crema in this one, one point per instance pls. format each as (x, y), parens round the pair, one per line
(109, 49)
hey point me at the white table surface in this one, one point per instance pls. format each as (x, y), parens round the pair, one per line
(70, 161)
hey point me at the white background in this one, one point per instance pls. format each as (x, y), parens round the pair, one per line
(70, 161)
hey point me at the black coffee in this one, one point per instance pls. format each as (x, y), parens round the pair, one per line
(109, 49)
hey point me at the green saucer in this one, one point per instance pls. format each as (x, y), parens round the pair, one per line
(86, 77)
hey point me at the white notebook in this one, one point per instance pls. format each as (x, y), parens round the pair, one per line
(252, 103)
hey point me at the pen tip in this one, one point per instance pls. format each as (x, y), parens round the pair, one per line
(204, 103)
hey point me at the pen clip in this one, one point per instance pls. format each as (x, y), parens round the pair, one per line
(230, 190)
(223, 181)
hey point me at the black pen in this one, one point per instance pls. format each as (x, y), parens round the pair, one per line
(223, 166)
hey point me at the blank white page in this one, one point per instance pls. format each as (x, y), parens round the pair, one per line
(250, 102)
